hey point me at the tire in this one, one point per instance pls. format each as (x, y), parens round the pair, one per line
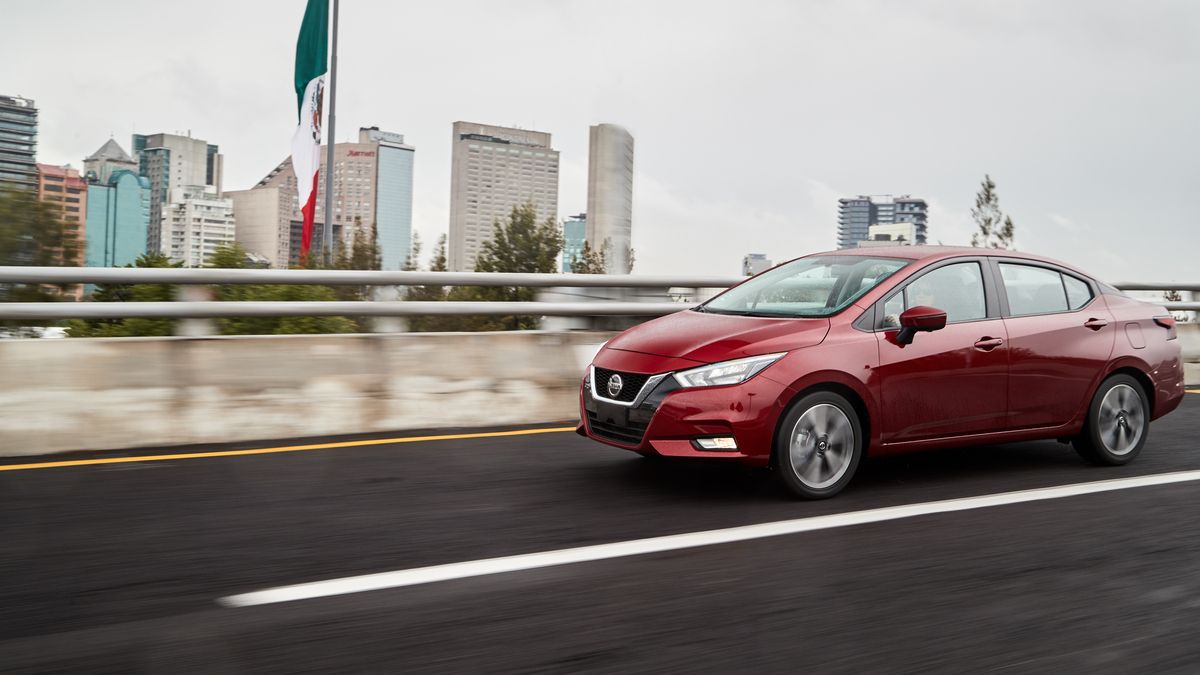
(1118, 423)
(819, 445)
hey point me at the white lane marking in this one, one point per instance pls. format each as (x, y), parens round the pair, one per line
(528, 561)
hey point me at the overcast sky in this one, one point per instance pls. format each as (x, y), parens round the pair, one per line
(750, 118)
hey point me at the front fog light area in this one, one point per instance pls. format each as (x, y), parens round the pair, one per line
(717, 443)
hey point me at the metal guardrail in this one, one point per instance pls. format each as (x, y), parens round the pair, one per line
(211, 310)
(385, 308)
(178, 275)
(1158, 286)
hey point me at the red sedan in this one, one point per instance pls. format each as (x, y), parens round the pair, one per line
(819, 362)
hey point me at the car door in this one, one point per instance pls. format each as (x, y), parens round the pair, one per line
(948, 382)
(1060, 336)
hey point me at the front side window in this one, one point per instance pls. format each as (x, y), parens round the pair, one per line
(1033, 290)
(956, 289)
(818, 286)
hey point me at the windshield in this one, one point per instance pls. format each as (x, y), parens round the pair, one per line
(809, 287)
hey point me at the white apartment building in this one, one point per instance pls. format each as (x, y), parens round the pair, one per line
(494, 169)
(890, 234)
(610, 195)
(196, 221)
(173, 162)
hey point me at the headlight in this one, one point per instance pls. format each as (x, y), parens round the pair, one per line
(726, 372)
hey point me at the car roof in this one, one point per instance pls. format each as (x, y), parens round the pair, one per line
(931, 253)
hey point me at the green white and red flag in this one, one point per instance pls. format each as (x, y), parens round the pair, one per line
(312, 62)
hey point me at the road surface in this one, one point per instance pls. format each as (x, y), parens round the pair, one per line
(122, 567)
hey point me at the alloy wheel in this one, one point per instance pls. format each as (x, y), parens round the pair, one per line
(1122, 419)
(822, 446)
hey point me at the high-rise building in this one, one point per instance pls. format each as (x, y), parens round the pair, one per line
(574, 234)
(372, 184)
(172, 163)
(494, 169)
(18, 143)
(610, 195)
(118, 215)
(753, 263)
(106, 161)
(857, 214)
(63, 188)
(196, 221)
(393, 196)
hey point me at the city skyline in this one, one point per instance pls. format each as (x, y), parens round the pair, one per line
(372, 186)
(786, 153)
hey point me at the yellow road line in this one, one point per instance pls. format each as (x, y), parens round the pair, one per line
(286, 448)
(1192, 391)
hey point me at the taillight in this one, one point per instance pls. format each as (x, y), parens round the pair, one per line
(1167, 322)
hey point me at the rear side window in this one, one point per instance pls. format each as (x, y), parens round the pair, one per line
(1078, 293)
(1036, 290)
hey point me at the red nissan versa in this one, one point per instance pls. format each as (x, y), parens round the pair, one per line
(812, 365)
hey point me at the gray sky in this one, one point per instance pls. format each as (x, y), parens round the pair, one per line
(751, 118)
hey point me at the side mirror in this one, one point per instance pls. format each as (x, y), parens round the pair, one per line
(919, 319)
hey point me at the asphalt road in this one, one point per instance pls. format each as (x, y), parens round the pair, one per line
(118, 567)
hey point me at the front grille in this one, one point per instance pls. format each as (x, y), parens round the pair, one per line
(631, 384)
(630, 434)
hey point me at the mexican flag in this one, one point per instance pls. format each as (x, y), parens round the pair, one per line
(312, 59)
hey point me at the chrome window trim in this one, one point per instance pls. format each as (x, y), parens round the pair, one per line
(648, 387)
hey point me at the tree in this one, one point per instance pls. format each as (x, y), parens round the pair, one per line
(31, 233)
(593, 261)
(1175, 296)
(233, 256)
(411, 263)
(995, 228)
(432, 294)
(130, 293)
(590, 261)
(364, 251)
(520, 245)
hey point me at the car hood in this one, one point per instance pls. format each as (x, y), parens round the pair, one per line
(709, 338)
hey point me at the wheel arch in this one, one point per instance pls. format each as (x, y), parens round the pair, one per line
(1133, 370)
(837, 386)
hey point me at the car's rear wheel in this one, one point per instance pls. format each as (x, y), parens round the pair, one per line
(1118, 423)
(819, 445)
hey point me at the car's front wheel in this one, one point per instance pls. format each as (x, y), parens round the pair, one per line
(1118, 423)
(819, 445)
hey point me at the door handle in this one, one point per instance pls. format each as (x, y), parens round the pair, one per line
(987, 344)
(1095, 324)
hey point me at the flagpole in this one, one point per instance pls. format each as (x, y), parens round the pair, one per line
(327, 231)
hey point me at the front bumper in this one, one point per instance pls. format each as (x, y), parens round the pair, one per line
(670, 418)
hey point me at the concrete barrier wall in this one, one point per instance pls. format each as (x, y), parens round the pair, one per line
(86, 394)
(1189, 336)
(63, 395)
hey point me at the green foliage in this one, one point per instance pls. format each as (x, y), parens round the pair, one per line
(995, 228)
(233, 256)
(414, 254)
(432, 294)
(591, 261)
(129, 293)
(364, 254)
(31, 233)
(520, 245)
